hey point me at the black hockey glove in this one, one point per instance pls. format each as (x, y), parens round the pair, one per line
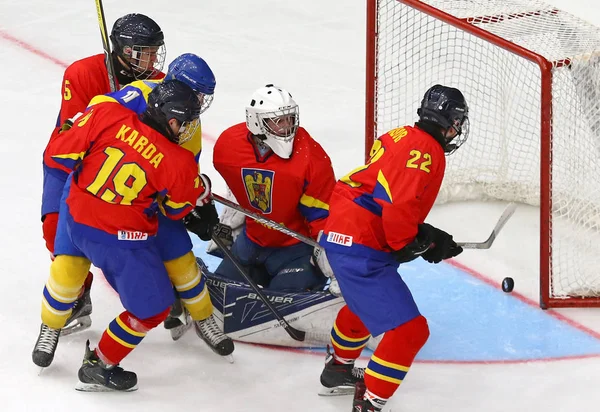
(442, 245)
(416, 248)
(202, 220)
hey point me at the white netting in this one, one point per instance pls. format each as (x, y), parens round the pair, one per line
(501, 159)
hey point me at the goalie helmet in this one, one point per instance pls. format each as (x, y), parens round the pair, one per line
(447, 108)
(140, 42)
(196, 73)
(273, 116)
(173, 99)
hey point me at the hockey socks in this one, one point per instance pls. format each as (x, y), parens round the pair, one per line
(393, 357)
(67, 276)
(349, 336)
(123, 334)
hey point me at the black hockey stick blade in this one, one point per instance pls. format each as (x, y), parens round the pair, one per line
(293, 332)
(506, 215)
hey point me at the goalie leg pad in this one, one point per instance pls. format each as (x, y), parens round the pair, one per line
(190, 284)
(67, 275)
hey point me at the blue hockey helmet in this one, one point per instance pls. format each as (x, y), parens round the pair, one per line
(196, 73)
(447, 108)
(173, 99)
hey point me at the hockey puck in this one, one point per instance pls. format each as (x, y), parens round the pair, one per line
(508, 285)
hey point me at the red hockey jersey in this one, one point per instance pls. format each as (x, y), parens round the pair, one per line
(294, 192)
(380, 204)
(125, 171)
(83, 80)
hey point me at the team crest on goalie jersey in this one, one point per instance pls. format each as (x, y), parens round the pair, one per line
(259, 188)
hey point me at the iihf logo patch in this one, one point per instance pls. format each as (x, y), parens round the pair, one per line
(339, 239)
(259, 188)
(131, 236)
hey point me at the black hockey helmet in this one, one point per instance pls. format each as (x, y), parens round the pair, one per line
(173, 99)
(447, 108)
(140, 42)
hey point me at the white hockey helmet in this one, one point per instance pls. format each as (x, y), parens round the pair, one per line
(273, 115)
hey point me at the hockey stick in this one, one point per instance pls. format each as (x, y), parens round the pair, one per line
(293, 332)
(107, 57)
(508, 212)
(267, 222)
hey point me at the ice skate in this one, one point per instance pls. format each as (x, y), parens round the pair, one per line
(80, 316)
(364, 405)
(179, 321)
(209, 332)
(339, 379)
(96, 376)
(45, 346)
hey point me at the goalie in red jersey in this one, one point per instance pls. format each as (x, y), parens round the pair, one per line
(138, 53)
(275, 168)
(127, 169)
(377, 222)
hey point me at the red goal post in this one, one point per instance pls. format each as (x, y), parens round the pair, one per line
(531, 75)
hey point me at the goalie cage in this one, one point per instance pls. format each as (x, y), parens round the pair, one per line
(531, 75)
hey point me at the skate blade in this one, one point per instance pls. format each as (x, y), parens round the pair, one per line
(79, 325)
(95, 387)
(179, 331)
(228, 358)
(336, 391)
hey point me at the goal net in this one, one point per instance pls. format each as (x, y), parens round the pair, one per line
(531, 76)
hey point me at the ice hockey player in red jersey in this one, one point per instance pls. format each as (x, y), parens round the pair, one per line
(377, 222)
(128, 168)
(138, 53)
(173, 240)
(275, 168)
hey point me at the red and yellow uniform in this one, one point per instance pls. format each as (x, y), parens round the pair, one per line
(294, 192)
(125, 173)
(391, 194)
(82, 80)
(375, 210)
(130, 171)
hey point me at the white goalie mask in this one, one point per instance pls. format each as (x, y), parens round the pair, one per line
(274, 116)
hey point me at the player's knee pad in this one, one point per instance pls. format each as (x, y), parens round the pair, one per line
(49, 225)
(67, 276)
(190, 284)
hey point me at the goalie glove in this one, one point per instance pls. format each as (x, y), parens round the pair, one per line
(225, 233)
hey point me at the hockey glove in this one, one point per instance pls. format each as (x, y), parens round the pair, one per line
(202, 220)
(442, 245)
(423, 241)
